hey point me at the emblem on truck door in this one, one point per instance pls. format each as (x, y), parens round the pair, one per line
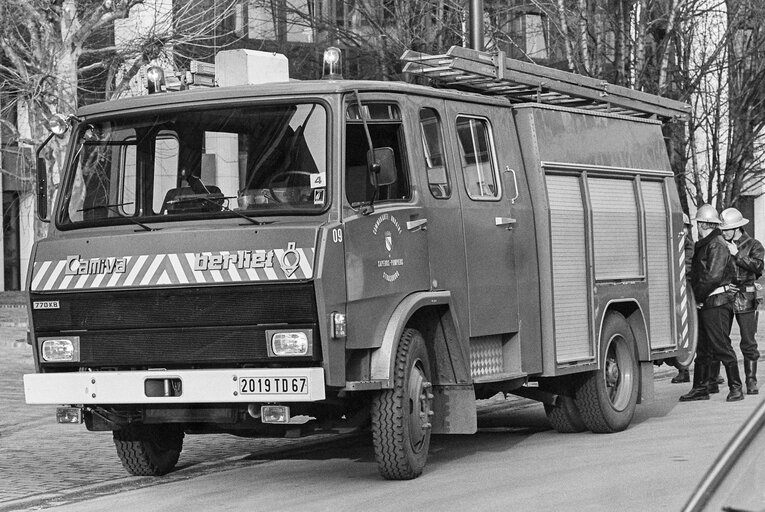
(389, 227)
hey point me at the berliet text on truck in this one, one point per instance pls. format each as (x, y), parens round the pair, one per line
(272, 258)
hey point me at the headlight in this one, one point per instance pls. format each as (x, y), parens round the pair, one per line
(60, 349)
(290, 343)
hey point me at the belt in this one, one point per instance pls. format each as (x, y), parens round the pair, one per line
(719, 290)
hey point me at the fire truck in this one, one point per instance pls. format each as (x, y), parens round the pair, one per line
(272, 257)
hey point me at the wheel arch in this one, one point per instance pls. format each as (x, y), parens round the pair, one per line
(631, 310)
(431, 314)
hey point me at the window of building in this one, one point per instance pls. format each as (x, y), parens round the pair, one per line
(435, 159)
(479, 167)
(282, 20)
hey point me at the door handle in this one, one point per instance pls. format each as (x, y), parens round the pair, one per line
(515, 183)
(504, 221)
(412, 225)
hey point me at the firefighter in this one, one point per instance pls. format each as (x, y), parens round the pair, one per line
(748, 255)
(712, 272)
(683, 375)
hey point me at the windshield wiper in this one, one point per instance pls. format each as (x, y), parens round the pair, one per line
(113, 207)
(220, 205)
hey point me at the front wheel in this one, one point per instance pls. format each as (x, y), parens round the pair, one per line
(401, 416)
(607, 398)
(149, 450)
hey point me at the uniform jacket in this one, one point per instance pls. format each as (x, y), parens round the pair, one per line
(749, 266)
(712, 267)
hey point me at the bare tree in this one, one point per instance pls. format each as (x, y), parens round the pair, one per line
(54, 54)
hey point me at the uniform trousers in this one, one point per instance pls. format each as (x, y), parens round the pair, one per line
(714, 335)
(747, 326)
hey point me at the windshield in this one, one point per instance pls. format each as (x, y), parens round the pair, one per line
(257, 160)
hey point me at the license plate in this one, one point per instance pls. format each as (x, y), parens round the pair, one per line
(273, 385)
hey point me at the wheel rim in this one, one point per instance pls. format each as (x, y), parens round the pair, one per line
(419, 406)
(618, 373)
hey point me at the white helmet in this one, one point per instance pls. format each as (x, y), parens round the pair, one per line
(732, 218)
(707, 213)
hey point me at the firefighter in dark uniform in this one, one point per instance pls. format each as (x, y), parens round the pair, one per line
(683, 375)
(748, 255)
(712, 272)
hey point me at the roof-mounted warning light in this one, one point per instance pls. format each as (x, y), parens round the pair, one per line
(333, 64)
(155, 78)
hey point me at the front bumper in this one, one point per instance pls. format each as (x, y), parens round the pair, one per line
(242, 385)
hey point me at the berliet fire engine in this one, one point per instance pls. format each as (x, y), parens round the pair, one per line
(270, 259)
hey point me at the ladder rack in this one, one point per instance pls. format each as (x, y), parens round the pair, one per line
(495, 74)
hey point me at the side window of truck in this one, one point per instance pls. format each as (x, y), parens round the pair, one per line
(477, 158)
(385, 130)
(433, 147)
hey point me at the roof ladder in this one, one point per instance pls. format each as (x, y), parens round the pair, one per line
(521, 82)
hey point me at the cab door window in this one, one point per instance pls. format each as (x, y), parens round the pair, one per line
(477, 158)
(385, 130)
(433, 148)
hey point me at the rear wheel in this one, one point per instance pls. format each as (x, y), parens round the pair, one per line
(149, 450)
(564, 416)
(607, 397)
(401, 416)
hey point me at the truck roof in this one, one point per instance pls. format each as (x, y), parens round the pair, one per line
(292, 88)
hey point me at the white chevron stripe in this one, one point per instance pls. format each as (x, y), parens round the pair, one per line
(65, 282)
(54, 275)
(217, 277)
(178, 267)
(305, 264)
(198, 277)
(116, 277)
(81, 281)
(135, 270)
(252, 274)
(270, 274)
(97, 281)
(40, 273)
(152, 269)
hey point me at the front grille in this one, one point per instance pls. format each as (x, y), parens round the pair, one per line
(173, 328)
(180, 307)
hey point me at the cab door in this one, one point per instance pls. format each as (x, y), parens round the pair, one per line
(487, 186)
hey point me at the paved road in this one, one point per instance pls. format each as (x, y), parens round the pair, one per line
(44, 464)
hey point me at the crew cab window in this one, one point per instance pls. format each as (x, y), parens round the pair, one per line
(435, 160)
(385, 130)
(477, 157)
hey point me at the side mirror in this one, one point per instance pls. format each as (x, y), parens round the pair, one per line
(42, 183)
(381, 163)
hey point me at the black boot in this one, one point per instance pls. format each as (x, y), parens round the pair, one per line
(750, 371)
(700, 389)
(714, 374)
(683, 375)
(734, 383)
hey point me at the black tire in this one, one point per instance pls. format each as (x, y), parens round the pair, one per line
(149, 450)
(564, 416)
(401, 416)
(607, 397)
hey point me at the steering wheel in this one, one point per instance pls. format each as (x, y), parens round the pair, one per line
(279, 176)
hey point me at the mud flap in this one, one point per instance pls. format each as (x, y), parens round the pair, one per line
(646, 394)
(454, 409)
